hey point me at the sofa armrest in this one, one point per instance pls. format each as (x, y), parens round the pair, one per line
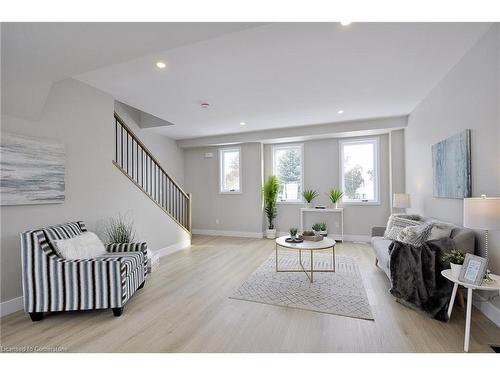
(126, 247)
(378, 231)
(131, 246)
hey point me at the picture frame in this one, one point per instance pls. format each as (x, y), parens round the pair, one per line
(473, 270)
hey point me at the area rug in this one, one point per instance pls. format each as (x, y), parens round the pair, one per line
(340, 293)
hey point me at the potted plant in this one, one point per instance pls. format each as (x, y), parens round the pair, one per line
(322, 229)
(309, 196)
(456, 259)
(335, 196)
(270, 192)
(293, 232)
(317, 229)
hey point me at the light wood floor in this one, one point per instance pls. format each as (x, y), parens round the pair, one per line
(184, 307)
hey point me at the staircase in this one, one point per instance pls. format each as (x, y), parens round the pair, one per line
(134, 160)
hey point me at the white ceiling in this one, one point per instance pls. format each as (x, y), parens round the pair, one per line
(34, 55)
(268, 76)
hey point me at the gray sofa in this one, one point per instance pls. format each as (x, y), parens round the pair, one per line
(464, 239)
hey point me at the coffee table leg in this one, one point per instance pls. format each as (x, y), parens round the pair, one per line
(276, 257)
(312, 266)
(333, 257)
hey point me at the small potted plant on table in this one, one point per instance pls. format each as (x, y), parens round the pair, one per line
(317, 229)
(456, 259)
(293, 232)
(335, 196)
(322, 229)
(309, 196)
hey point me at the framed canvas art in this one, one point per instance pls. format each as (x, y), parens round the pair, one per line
(31, 170)
(451, 167)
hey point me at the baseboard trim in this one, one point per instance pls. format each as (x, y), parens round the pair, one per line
(11, 306)
(489, 309)
(227, 233)
(173, 248)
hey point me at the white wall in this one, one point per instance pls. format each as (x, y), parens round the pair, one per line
(468, 97)
(82, 118)
(235, 212)
(321, 173)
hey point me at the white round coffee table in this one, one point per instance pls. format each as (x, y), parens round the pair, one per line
(311, 246)
(491, 286)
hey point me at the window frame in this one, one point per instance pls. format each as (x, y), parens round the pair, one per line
(376, 169)
(221, 170)
(273, 161)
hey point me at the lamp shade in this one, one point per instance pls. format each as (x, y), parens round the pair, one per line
(401, 200)
(482, 213)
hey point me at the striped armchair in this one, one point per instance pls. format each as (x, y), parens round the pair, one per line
(52, 283)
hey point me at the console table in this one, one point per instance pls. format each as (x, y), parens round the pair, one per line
(339, 211)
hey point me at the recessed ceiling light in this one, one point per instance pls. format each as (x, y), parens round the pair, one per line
(243, 123)
(204, 105)
(340, 111)
(161, 65)
(345, 23)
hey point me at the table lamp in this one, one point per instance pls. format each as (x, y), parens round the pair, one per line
(482, 213)
(401, 200)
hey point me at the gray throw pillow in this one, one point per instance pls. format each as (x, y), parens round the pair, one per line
(416, 234)
(393, 233)
(400, 220)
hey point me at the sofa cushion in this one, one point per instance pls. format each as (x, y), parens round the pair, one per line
(84, 246)
(381, 248)
(415, 234)
(440, 230)
(400, 220)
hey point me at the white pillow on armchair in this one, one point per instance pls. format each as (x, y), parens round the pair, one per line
(84, 246)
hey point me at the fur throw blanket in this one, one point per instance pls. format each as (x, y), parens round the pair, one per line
(416, 276)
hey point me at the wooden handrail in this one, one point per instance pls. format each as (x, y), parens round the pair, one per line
(154, 181)
(132, 134)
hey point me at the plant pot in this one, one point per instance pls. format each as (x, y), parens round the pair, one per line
(324, 233)
(455, 270)
(317, 232)
(309, 205)
(271, 234)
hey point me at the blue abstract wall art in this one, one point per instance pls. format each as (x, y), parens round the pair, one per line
(31, 170)
(451, 164)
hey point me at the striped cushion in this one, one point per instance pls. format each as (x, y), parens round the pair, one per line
(61, 232)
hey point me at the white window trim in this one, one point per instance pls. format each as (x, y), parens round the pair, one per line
(221, 170)
(286, 146)
(376, 170)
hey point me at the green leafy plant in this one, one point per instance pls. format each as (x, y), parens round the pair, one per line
(316, 227)
(309, 195)
(119, 230)
(455, 257)
(322, 227)
(270, 192)
(335, 195)
(293, 232)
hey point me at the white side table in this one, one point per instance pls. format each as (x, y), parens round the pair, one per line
(491, 286)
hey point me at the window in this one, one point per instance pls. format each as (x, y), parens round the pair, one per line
(230, 170)
(359, 170)
(288, 167)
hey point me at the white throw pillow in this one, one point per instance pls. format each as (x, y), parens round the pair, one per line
(85, 246)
